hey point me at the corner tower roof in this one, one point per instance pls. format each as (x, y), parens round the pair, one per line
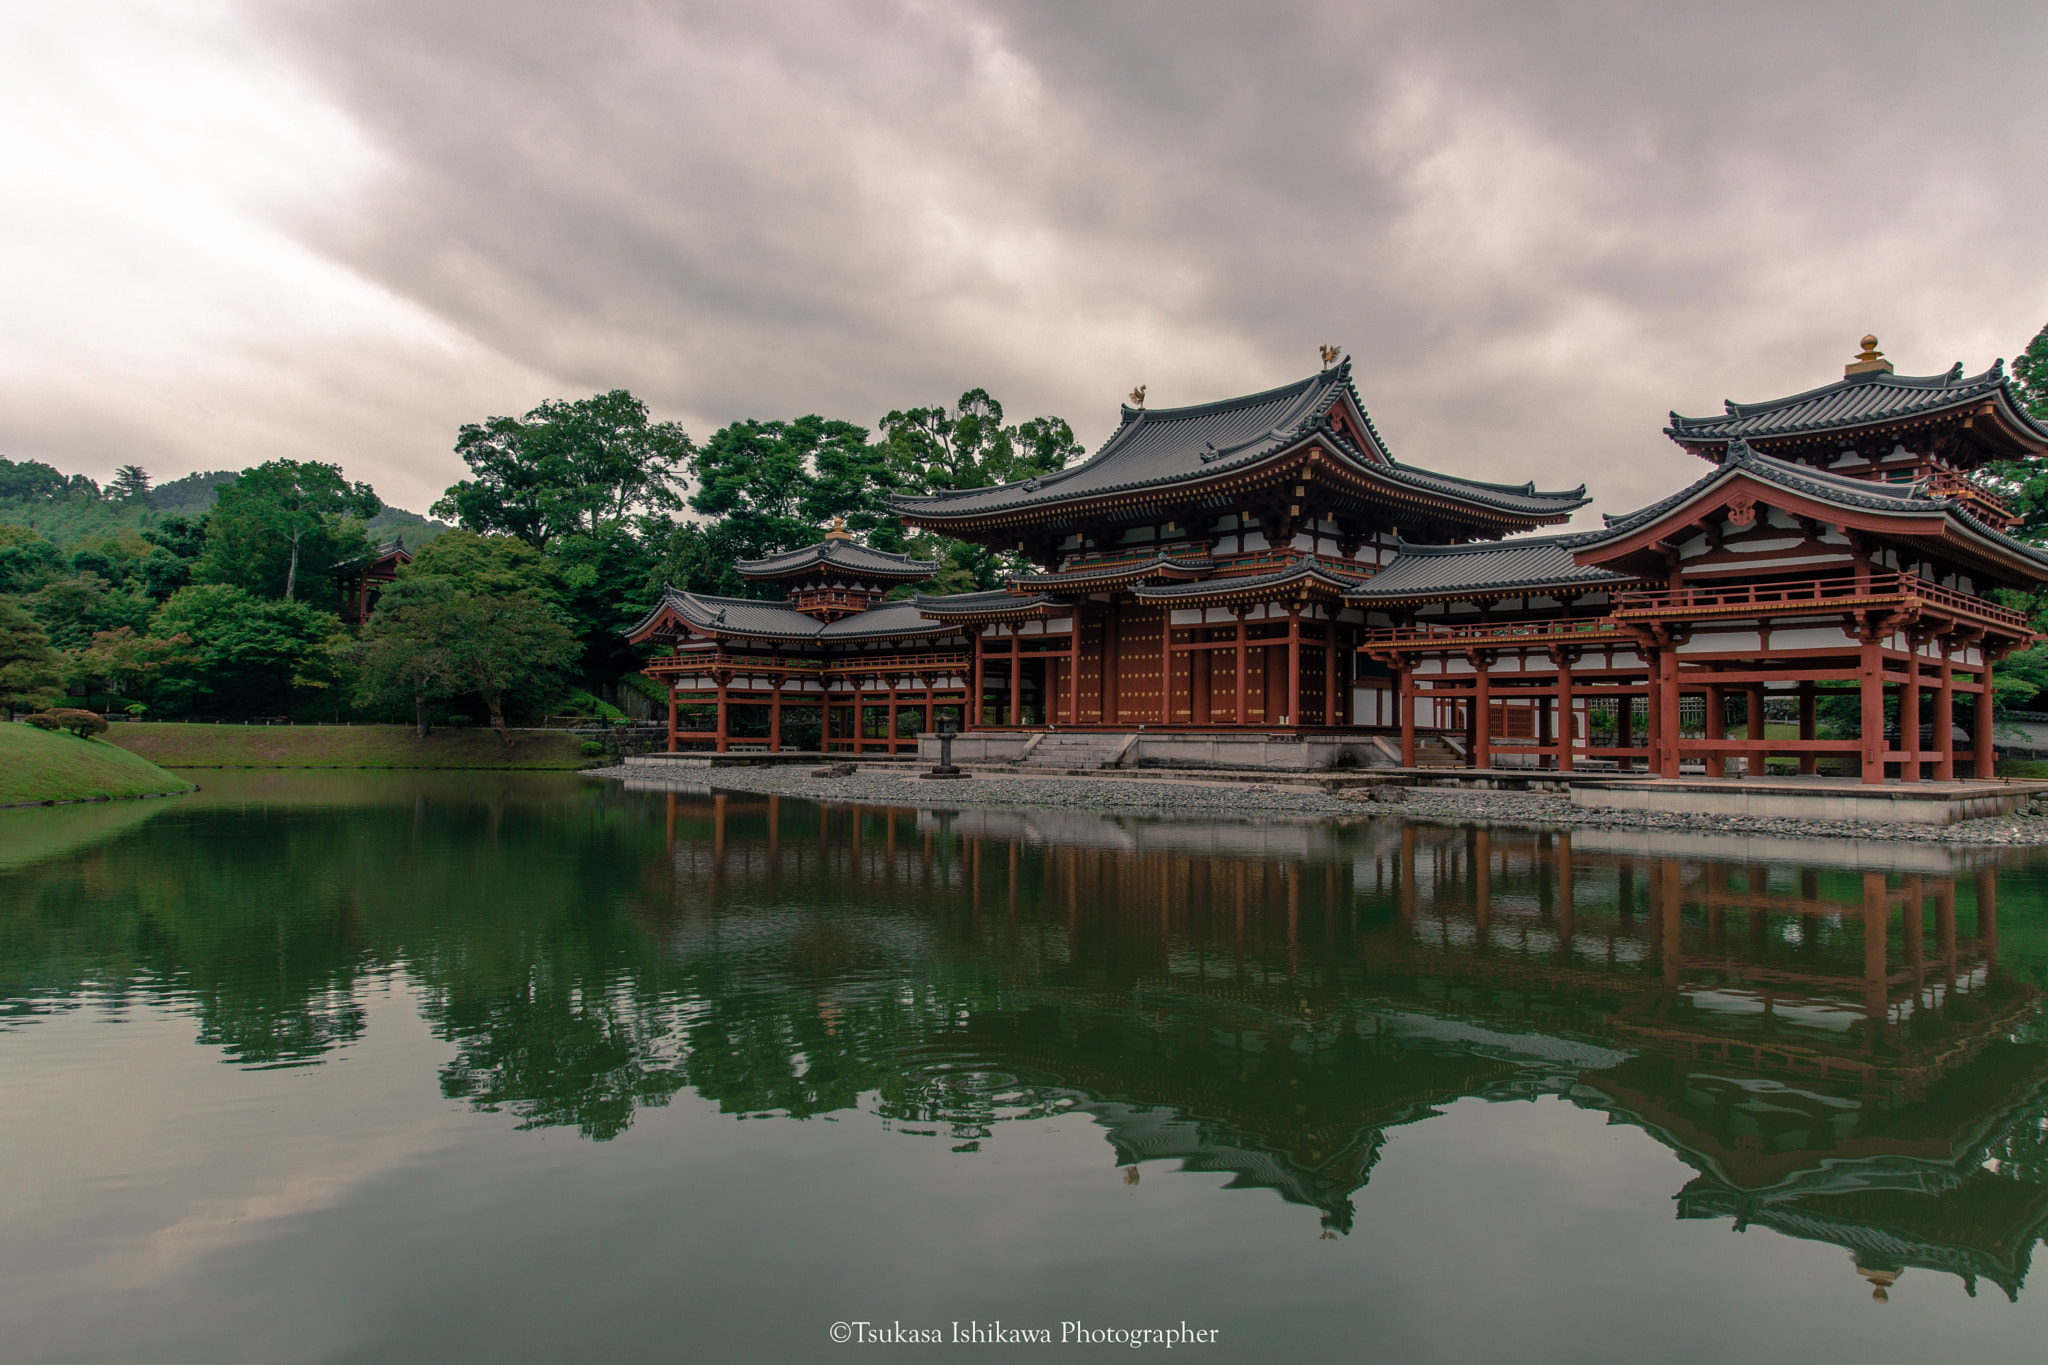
(1868, 402)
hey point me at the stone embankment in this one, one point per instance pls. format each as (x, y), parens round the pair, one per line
(1212, 799)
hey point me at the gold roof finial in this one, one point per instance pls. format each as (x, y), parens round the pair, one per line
(1138, 396)
(839, 531)
(1871, 361)
(1330, 354)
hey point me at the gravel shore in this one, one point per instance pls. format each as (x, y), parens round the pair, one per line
(886, 787)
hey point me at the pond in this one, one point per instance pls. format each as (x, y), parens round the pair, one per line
(420, 1066)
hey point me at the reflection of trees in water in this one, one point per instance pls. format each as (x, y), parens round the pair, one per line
(1261, 1000)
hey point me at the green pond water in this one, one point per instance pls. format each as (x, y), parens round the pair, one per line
(509, 1067)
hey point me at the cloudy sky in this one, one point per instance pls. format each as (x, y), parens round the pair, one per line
(338, 230)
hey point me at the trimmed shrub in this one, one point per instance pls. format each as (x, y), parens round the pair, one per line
(84, 724)
(43, 720)
(592, 749)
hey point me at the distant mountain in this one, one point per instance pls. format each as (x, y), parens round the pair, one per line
(191, 495)
(65, 508)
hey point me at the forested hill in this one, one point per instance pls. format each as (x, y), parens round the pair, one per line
(65, 508)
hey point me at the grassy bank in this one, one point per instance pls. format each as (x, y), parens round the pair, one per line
(344, 746)
(36, 765)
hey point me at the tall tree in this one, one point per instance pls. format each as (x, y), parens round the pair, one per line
(2030, 375)
(566, 468)
(287, 506)
(131, 484)
(776, 485)
(404, 653)
(240, 654)
(936, 449)
(501, 647)
(29, 669)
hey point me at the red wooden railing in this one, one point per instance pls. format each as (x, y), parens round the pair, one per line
(1811, 594)
(1521, 632)
(707, 661)
(1988, 505)
(1198, 549)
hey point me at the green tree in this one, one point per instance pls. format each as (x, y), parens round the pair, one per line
(240, 654)
(566, 467)
(2024, 483)
(501, 648)
(404, 652)
(937, 450)
(131, 484)
(776, 485)
(273, 514)
(26, 558)
(29, 668)
(74, 608)
(489, 565)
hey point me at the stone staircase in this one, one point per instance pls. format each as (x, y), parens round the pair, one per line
(1075, 750)
(1431, 751)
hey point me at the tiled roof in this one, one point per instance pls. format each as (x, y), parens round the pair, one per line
(889, 619)
(1487, 566)
(964, 603)
(390, 547)
(1161, 446)
(1854, 401)
(1133, 569)
(1306, 568)
(839, 553)
(780, 621)
(1864, 494)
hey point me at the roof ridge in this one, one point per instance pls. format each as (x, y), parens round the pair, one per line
(1527, 489)
(1950, 381)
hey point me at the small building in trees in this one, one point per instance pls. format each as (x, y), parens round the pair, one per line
(358, 582)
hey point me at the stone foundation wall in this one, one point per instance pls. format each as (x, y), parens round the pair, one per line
(1168, 749)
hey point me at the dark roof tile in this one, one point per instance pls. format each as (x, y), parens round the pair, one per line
(1163, 446)
(1533, 563)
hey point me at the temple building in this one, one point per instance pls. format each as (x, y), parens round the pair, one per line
(1264, 564)
(359, 582)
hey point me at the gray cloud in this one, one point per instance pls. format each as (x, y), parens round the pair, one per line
(1536, 227)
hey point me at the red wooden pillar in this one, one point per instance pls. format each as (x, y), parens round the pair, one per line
(970, 714)
(775, 719)
(671, 715)
(1565, 714)
(1482, 713)
(1292, 690)
(1404, 682)
(1237, 717)
(1754, 765)
(1330, 690)
(1653, 714)
(1074, 671)
(723, 711)
(1944, 737)
(1165, 670)
(1909, 714)
(1980, 722)
(1668, 713)
(1717, 728)
(1872, 683)
(1809, 763)
(891, 750)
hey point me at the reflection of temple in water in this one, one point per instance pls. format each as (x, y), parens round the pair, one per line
(1835, 1050)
